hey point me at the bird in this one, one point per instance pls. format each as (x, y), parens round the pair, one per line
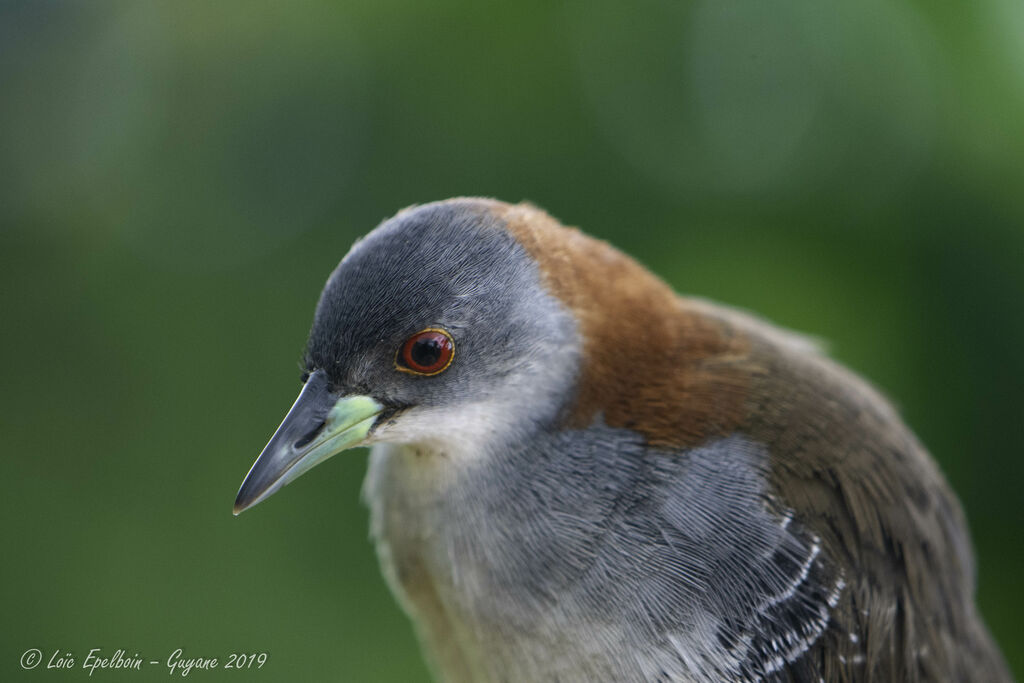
(577, 474)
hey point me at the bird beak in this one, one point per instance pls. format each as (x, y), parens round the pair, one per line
(319, 425)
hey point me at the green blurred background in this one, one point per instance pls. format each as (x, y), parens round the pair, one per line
(177, 179)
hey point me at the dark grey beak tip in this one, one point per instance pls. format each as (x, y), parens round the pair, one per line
(238, 507)
(248, 493)
(243, 501)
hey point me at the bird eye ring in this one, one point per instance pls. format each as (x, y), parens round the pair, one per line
(428, 352)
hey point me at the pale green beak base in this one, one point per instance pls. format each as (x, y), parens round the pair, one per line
(319, 425)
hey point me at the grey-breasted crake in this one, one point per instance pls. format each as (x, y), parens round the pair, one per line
(577, 475)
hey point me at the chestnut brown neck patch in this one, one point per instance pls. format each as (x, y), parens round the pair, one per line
(652, 362)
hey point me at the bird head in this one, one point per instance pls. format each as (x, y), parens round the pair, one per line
(436, 329)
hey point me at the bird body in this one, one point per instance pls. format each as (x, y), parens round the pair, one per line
(609, 482)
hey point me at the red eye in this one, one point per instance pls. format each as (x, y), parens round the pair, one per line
(426, 353)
